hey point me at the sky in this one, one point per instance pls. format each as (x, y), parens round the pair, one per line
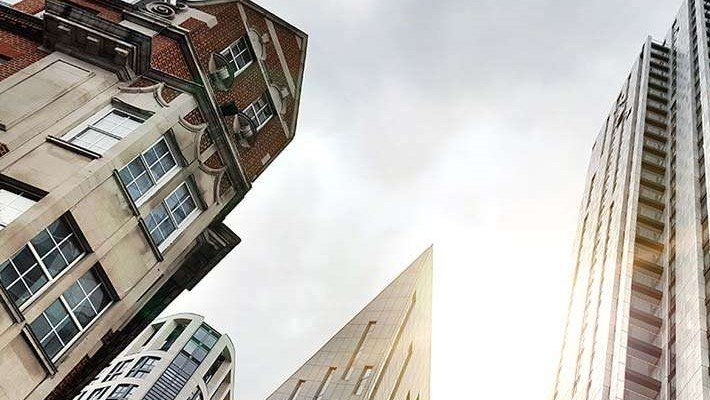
(467, 124)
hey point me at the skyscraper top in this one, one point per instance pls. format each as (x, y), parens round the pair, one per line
(384, 352)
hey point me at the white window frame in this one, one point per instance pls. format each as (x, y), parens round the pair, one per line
(252, 106)
(75, 320)
(232, 58)
(185, 223)
(45, 270)
(17, 195)
(117, 370)
(159, 183)
(127, 395)
(89, 123)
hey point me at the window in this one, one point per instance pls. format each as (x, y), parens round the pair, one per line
(324, 385)
(213, 369)
(172, 337)
(116, 371)
(259, 111)
(143, 367)
(12, 204)
(196, 395)
(238, 54)
(297, 390)
(71, 314)
(196, 349)
(97, 393)
(122, 392)
(79, 396)
(358, 349)
(146, 170)
(40, 261)
(364, 380)
(100, 135)
(171, 214)
(153, 331)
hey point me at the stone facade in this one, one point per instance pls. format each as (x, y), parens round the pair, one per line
(383, 353)
(119, 159)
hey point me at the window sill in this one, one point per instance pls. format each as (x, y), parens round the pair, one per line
(73, 148)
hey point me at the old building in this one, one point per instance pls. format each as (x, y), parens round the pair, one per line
(638, 316)
(176, 357)
(383, 353)
(128, 130)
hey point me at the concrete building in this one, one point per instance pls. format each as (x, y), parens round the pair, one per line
(638, 315)
(128, 131)
(178, 357)
(384, 353)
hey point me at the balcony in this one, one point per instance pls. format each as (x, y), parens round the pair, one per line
(656, 133)
(640, 384)
(657, 120)
(655, 145)
(657, 94)
(657, 106)
(651, 216)
(649, 282)
(654, 162)
(653, 179)
(649, 236)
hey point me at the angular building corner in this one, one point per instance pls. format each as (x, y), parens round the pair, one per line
(129, 129)
(176, 357)
(637, 325)
(383, 353)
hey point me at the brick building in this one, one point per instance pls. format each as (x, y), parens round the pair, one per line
(128, 131)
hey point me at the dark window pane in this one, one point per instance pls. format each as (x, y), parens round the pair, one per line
(19, 292)
(54, 262)
(52, 345)
(36, 279)
(24, 260)
(84, 313)
(67, 330)
(70, 249)
(59, 230)
(7, 274)
(40, 327)
(56, 312)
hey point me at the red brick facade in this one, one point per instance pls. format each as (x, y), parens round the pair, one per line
(30, 6)
(20, 51)
(250, 83)
(167, 56)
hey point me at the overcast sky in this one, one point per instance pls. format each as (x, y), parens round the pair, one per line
(463, 123)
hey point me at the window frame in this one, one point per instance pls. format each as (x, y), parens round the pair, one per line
(103, 283)
(97, 393)
(157, 183)
(232, 59)
(70, 137)
(75, 234)
(127, 395)
(267, 100)
(138, 367)
(179, 228)
(117, 370)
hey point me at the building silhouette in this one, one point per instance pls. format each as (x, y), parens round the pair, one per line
(128, 131)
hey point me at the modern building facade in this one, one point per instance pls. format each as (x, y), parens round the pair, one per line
(638, 316)
(178, 357)
(384, 353)
(128, 131)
